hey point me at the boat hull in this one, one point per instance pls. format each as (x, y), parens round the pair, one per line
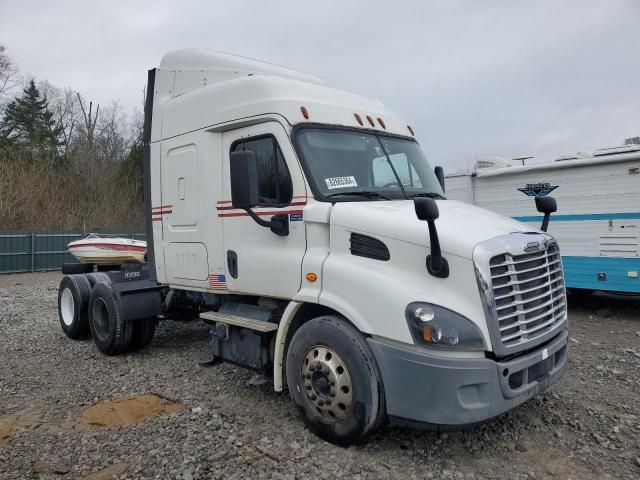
(108, 252)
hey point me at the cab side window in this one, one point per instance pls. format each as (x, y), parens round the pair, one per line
(274, 182)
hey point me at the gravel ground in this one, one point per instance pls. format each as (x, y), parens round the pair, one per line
(210, 423)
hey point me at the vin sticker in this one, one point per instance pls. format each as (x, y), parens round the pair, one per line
(341, 182)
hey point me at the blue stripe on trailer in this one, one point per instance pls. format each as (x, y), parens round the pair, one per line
(582, 272)
(580, 217)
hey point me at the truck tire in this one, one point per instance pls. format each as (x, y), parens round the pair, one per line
(143, 332)
(110, 332)
(76, 268)
(334, 380)
(73, 301)
(97, 277)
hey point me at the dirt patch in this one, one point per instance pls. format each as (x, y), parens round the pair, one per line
(10, 424)
(107, 473)
(128, 411)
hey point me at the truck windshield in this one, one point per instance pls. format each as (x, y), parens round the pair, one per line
(348, 165)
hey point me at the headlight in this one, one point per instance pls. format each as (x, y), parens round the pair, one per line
(438, 327)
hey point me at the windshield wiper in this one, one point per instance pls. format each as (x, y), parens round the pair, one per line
(362, 193)
(428, 194)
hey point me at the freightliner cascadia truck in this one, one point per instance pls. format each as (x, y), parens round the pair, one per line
(306, 226)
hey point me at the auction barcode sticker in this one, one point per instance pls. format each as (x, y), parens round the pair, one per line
(341, 182)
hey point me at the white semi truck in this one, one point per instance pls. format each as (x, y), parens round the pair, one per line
(307, 227)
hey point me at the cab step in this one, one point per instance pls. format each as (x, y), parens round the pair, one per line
(249, 323)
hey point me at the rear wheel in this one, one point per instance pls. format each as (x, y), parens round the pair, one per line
(97, 277)
(143, 332)
(73, 300)
(334, 380)
(110, 332)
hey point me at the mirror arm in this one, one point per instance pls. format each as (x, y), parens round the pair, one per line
(545, 222)
(547, 206)
(279, 224)
(437, 265)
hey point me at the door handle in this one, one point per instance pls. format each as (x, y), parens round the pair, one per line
(232, 263)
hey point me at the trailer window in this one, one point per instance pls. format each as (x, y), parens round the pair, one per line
(274, 182)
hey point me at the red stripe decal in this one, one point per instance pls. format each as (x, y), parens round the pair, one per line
(166, 212)
(161, 207)
(220, 202)
(294, 204)
(260, 214)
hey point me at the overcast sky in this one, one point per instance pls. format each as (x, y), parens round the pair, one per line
(474, 78)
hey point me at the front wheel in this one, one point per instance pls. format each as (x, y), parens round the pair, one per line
(334, 380)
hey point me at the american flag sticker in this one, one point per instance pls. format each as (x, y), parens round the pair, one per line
(217, 282)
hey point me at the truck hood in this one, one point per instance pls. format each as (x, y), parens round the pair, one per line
(460, 226)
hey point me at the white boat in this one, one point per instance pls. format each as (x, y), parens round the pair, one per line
(108, 251)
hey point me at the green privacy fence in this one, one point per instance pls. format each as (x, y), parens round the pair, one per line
(44, 251)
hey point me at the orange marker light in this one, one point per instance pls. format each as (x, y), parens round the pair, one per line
(358, 118)
(427, 333)
(311, 277)
(305, 112)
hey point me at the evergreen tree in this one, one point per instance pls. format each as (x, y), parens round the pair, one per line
(28, 121)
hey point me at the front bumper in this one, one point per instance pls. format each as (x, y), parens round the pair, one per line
(422, 387)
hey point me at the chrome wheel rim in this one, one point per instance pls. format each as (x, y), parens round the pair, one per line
(327, 382)
(67, 307)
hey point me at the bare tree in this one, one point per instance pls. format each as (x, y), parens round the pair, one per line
(66, 112)
(90, 121)
(9, 77)
(112, 140)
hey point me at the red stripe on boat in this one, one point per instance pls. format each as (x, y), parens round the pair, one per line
(112, 246)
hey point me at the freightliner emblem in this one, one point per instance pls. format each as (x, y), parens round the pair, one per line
(534, 246)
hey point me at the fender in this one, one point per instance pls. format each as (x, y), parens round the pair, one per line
(281, 340)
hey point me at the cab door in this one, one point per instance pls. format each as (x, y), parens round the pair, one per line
(258, 261)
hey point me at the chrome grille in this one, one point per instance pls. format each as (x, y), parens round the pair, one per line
(528, 294)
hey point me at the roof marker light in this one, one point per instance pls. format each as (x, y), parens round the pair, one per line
(381, 122)
(305, 112)
(411, 130)
(358, 118)
(371, 121)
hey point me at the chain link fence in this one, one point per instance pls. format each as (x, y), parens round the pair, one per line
(44, 251)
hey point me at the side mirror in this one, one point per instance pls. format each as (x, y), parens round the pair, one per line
(439, 171)
(244, 179)
(427, 210)
(546, 205)
(243, 169)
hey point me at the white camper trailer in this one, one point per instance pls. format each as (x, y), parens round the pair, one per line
(306, 226)
(598, 222)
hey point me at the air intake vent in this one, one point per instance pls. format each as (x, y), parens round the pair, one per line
(369, 247)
